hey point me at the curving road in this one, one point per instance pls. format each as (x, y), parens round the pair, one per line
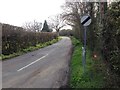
(45, 68)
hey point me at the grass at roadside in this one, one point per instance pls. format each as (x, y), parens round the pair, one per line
(93, 76)
(29, 49)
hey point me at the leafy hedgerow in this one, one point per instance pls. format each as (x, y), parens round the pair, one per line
(29, 49)
(15, 39)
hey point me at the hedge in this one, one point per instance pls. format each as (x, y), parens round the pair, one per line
(14, 38)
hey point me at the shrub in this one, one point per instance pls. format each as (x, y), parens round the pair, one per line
(15, 39)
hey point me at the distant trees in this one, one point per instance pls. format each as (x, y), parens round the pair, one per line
(37, 26)
(57, 23)
(72, 14)
(33, 26)
(46, 27)
(66, 32)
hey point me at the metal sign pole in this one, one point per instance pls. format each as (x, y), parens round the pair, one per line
(84, 50)
(85, 21)
(85, 41)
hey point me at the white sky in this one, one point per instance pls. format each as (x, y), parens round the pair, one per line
(17, 12)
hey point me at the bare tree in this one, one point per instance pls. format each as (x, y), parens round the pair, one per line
(56, 23)
(72, 14)
(33, 26)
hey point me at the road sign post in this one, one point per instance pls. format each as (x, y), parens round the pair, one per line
(85, 21)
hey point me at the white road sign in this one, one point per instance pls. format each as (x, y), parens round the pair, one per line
(85, 20)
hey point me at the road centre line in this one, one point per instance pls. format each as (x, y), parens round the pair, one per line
(32, 63)
(35, 61)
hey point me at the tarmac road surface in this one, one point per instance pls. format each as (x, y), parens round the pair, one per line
(45, 68)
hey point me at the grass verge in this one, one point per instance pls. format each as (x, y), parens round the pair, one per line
(29, 49)
(93, 76)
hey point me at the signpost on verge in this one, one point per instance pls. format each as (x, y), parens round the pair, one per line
(85, 21)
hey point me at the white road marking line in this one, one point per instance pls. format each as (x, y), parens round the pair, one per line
(32, 63)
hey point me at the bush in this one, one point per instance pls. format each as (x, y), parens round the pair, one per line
(15, 39)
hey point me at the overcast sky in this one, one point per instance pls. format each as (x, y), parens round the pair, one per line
(17, 12)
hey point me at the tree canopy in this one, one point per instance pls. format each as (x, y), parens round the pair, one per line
(45, 27)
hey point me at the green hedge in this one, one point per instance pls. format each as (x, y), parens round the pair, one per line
(15, 39)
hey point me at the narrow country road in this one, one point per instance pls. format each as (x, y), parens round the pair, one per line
(45, 68)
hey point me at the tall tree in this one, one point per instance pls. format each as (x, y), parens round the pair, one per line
(73, 11)
(57, 23)
(45, 27)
